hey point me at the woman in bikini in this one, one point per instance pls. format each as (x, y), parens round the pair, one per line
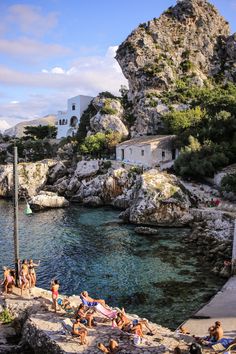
(79, 331)
(24, 276)
(8, 279)
(85, 316)
(32, 273)
(54, 288)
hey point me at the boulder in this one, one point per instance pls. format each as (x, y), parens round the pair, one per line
(47, 200)
(57, 171)
(86, 169)
(105, 123)
(159, 199)
(93, 201)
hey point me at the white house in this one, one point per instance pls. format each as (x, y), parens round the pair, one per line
(68, 122)
(148, 151)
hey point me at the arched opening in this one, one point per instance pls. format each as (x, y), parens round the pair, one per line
(74, 121)
(64, 122)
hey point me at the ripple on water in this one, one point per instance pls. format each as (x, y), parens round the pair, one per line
(157, 277)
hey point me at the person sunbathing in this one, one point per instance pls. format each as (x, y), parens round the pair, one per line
(79, 330)
(122, 322)
(133, 326)
(112, 348)
(86, 316)
(92, 301)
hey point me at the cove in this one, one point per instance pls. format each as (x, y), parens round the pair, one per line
(158, 277)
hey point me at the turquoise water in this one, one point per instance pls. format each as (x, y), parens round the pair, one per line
(158, 277)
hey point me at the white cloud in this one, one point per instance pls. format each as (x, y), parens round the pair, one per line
(31, 50)
(88, 74)
(30, 19)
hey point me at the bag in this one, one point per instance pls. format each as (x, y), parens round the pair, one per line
(195, 348)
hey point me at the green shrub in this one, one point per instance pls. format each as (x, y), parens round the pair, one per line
(107, 109)
(228, 183)
(6, 317)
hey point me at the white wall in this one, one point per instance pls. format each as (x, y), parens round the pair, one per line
(133, 154)
(152, 155)
(80, 103)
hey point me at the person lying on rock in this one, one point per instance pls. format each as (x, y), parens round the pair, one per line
(89, 299)
(86, 316)
(112, 348)
(133, 326)
(79, 330)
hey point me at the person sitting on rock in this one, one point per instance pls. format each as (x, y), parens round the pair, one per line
(79, 330)
(218, 332)
(85, 315)
(112, 348)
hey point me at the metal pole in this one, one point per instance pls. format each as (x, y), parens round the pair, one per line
(15, 198)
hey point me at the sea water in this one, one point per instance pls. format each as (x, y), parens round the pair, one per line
(158, 277)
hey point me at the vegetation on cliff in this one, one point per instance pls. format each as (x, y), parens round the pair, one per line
(206, 130)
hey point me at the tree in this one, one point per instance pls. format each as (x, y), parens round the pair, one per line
(41, 132)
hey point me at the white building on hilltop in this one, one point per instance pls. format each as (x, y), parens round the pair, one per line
(68, 122)
(148, 151)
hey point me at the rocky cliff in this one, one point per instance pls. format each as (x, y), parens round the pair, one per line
(190, 41)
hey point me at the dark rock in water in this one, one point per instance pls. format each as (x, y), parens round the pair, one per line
(137, 298)
(142, 230)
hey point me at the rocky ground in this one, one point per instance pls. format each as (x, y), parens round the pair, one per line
(47, 332)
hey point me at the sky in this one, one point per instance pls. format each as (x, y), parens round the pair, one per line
(51, 50)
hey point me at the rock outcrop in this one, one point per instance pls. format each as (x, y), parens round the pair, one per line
(159, 199)
(109, 117)
(189, 41)
(47, 200)
(32, 178)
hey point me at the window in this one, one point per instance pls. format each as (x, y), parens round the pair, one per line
(59, 122)
(122, 154)
(163, 154)
(142, 152)
(73, 107)
(130, 151)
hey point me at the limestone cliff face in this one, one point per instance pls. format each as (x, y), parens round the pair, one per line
(190, 40)
(32, 178)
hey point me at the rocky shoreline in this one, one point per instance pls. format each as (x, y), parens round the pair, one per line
(39, 330)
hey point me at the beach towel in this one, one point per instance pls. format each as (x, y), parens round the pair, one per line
(222, 344)
(106, 312)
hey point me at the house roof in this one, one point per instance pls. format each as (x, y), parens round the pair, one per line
(163, 141)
